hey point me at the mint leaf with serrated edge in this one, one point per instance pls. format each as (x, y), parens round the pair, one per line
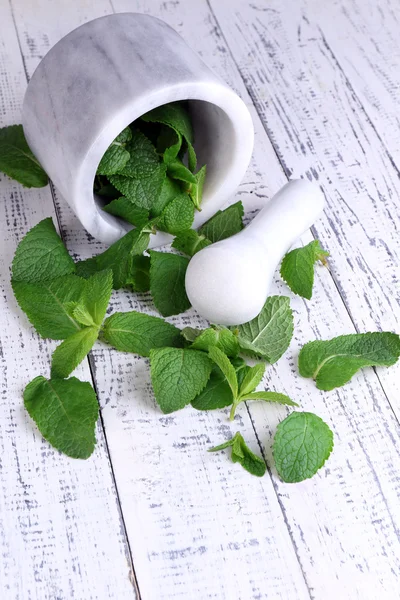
(252, 380)
(177, 170)
(125, 209)
(268, 335)
(242, 454)
(302, 444)
(332, 363)
(116, 156)
(218, 336)
(139, 333)
(41, 255)
(96, 295)
(217, 393)
(297, 268)
(139, 276)
(71, 352)
(178, 375)
(276, 397)
(189, 242)
(167, 282)
(143, 160)
(17, 159)
(46, 304)
(169, 190)
(178, 215)
(224, 223)
(223, 362)
(143, 191)
(65, 411)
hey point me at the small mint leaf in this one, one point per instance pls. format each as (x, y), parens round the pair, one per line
(139, 277)
(71, 352)
(189, 242)
(178, 215)
(217, 336)
(224, 223)
(269, 397)
(217, 393)
(223, 362)
(116, 156)
(297, 268)
(196, 190)
(253, 378)
(167, 282)
(242, 454)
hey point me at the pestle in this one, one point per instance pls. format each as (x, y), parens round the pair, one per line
(228, 282)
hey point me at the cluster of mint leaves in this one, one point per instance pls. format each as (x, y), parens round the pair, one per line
(68, 301)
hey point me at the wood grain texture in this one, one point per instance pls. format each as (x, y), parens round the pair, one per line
(200, 527)
(61, 533)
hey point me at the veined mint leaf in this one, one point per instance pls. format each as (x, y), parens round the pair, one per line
(169, 190)
(190, 333)
(143, 160)
(167, 282)
(268, 335)
(297, 268)
(224, 223)
(71, 352)
(125, 209)
(139, 333)
(139, 277)
(169, 143)
(17, 160)
(177, 170)
(142, 192)
(333, 363)
(302, 444)
(217, 393)
(217, 336)
(178, 215)
(96, 296)
(189, 242)
(116, 155)
(196, 190)
(242, 454)
(178, 375)
(253, 378)
(118, 258)
(228, 370)
(65, 411)
(41, 255)
(46, 304)
(269, 397)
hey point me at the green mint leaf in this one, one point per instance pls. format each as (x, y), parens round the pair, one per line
(139, 277)
(178, 215)
(41, 255)
(17, 160)
(192, 158)
(82, 315)
(118, 257)
(71, 352)
(139, 333)
(125, 209)
(65, 412)
(169, 190)
(190, 333)
(46, 304)
(297, 268)
(268, 335)
(177, 170)
(217, 336)
(142, 192)
(196, 190)
(333, 363)
(224, 223)
(116, 156)
(302, 444)
(223, 362)
(217, 393)
(143, 160)
(169, 143)
(96, 296)
(270, 397)
(242, 454)
(178, 375)
(167, 282)
(189, 242)
(252, 380)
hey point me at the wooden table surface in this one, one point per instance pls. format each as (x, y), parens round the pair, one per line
(151, 515)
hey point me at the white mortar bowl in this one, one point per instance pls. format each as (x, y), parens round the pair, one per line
(105, 74)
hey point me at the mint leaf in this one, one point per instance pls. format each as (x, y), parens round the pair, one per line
(224, 223)
(217, 393)
(125, 209)
(217, 336)
(65, 411)
(96, 296)
(143, 191)
(139, 333)
(297, 268)
(242, 454)
(228, 370)
(41, 255)
(189, 242)
(196, 190)
(333, 363)
(167, 282)
(118, 257)
(46, 304)
(190, 333)
(139, 277)
(302, 444)
(268, 335)
(253, 378)
(269, 397)
(143, 160)
(71, 352)
(178, 375)
(116, 155)
(169, 190)
(169, 143)
(177, 170)
(178, 215)
(17, 160)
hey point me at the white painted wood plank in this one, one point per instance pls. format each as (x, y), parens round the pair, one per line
(61, 533)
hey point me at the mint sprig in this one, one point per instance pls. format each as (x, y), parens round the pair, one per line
(242, 454)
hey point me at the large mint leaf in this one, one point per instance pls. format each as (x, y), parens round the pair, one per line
(125, 209)
(71, 352)
(142, 192)
(224, 223)
(47, 303)
(143, 160)
(189, 242)
(297, 268)
(41, 255)
(242, 454)
(116, 155)
(167, 282)
(65, 411)
(268, 335)
(17, 160)
(178, 215)
(333, 363)
(302, 444)
(178, 375)
(139, 333)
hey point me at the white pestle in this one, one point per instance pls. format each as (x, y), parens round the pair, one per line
(228, 282)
